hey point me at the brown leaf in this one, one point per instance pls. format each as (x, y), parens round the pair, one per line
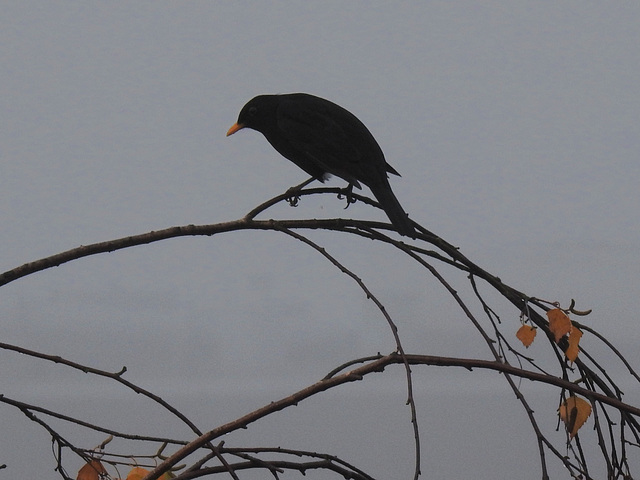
(526, 334)
(137, 473)
(574, 412)
(573, 349)
(559, 323)
(91, 471)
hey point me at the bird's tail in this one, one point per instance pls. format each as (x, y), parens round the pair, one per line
(393, 209)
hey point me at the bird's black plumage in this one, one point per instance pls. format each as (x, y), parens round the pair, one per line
(323, 138)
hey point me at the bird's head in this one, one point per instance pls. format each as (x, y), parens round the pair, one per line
(258, 114)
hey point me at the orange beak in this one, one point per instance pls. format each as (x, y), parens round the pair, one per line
(234, 128)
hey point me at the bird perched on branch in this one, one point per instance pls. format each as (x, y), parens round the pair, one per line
(323, 138)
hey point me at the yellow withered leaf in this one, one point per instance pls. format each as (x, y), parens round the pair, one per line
(574, 412)
(526, 334)
(137, 473)
(559, 323)
(91, 471)
(574, 340)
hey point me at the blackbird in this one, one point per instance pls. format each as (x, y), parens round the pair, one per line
(323, 138)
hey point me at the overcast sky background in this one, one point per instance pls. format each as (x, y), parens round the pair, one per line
(515, 126)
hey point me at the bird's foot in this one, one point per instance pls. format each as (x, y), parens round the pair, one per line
(293, 196)
(348, 194)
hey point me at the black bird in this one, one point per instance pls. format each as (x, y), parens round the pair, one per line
(323, 138)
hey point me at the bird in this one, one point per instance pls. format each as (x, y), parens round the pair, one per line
(324, 139)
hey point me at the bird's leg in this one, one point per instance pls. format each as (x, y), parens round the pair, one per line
(347, 192)
(292, 193)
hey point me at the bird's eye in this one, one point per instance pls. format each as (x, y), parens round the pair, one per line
(252, 111)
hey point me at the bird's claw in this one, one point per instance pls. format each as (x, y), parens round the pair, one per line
(348, 194)
(292, 196)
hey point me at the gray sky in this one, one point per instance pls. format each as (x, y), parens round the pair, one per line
(515, 126)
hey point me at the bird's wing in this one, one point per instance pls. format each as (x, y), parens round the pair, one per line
(322, 138)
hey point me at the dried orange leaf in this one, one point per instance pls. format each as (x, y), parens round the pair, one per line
(91, 471)
(137, 473)
(574, 339)
(574, 412)
(559, 323)
(526, 334)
